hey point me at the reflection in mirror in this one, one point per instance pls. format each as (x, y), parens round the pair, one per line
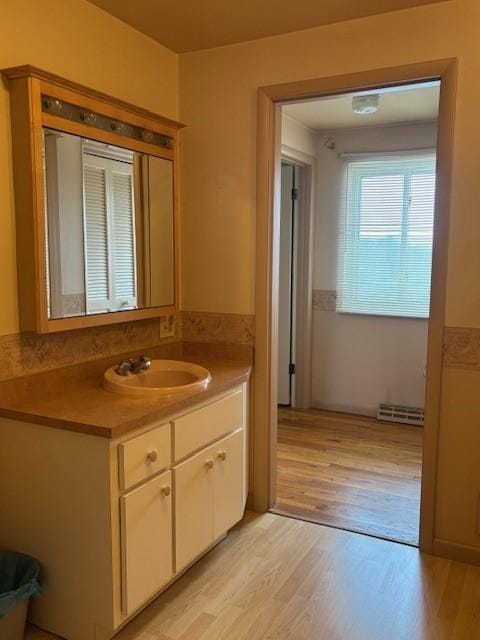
(110, 227)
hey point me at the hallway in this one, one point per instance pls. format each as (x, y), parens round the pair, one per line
(350, 472)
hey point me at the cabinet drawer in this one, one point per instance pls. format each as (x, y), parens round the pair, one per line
(143, 456)
(202, 426)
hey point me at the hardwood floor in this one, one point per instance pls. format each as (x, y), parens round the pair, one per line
(277, 578)
(350, 472)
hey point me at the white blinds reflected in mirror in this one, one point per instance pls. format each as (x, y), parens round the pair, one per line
(110, 220)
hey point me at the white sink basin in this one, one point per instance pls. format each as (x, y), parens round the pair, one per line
(163, 377)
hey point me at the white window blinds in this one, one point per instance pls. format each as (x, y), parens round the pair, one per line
(386, 233)
(110, 265)
(97, 263)
(123, 235)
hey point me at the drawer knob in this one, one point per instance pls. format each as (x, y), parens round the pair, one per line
(166, 490)
(209, 463)
(152, 455)
(222, 455)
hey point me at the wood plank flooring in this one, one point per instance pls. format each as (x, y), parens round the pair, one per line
(350, 472)
(277, 578)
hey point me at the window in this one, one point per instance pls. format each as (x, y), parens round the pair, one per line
(386, 233)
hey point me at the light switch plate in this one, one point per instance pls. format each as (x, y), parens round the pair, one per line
(167, 326)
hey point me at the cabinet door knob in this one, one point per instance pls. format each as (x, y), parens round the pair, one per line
(166, 490)
(152, 455)
(209, 463)
(222, 455)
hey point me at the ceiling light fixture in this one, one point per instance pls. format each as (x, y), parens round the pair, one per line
(365, 105)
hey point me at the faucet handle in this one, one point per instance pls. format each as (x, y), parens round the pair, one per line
(124, 367)
(146, 361)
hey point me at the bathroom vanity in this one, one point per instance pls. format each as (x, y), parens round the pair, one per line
(117, 496)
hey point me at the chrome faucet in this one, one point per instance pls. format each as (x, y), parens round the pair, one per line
(133, 365)
(142, 364)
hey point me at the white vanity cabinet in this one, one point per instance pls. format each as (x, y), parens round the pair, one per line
(181, 487)
(114, 521)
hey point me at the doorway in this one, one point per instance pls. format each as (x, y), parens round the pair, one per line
(353, 459)
(270, 100)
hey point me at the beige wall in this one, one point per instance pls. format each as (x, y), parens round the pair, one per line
(218, 102)
(298, 137)
(74, 39)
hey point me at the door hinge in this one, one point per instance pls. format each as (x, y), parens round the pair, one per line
(294, 193)
(291, 369)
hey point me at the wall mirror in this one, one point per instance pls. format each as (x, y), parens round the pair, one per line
(109, 227)
(96, 205)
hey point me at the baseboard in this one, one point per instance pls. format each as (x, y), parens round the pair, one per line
(341, 408)
(455, 551)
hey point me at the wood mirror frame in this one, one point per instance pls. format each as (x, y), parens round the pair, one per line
(27, 84)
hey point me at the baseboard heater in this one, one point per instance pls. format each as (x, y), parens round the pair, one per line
(398, 413)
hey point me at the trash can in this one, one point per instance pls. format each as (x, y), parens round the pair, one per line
(18, 581)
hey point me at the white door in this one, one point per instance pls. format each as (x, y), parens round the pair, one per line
(286, 284)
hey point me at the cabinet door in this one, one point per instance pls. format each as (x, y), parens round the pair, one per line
(193, 507)
(146, 519)
(229, 487)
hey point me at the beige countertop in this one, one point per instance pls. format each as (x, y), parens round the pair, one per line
(72, 398)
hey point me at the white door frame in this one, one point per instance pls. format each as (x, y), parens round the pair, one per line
(270, 100)
(304, 280)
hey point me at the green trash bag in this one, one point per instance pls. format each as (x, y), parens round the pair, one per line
(18, 579)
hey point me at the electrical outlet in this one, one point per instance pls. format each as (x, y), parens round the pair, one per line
(167, 326)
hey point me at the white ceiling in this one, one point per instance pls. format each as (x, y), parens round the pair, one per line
(188, 25)
(401, 104)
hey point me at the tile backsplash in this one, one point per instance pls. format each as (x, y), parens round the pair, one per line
(324, 300)
(27, 353)
(30, 353)
(218, 328)
(461, 348)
